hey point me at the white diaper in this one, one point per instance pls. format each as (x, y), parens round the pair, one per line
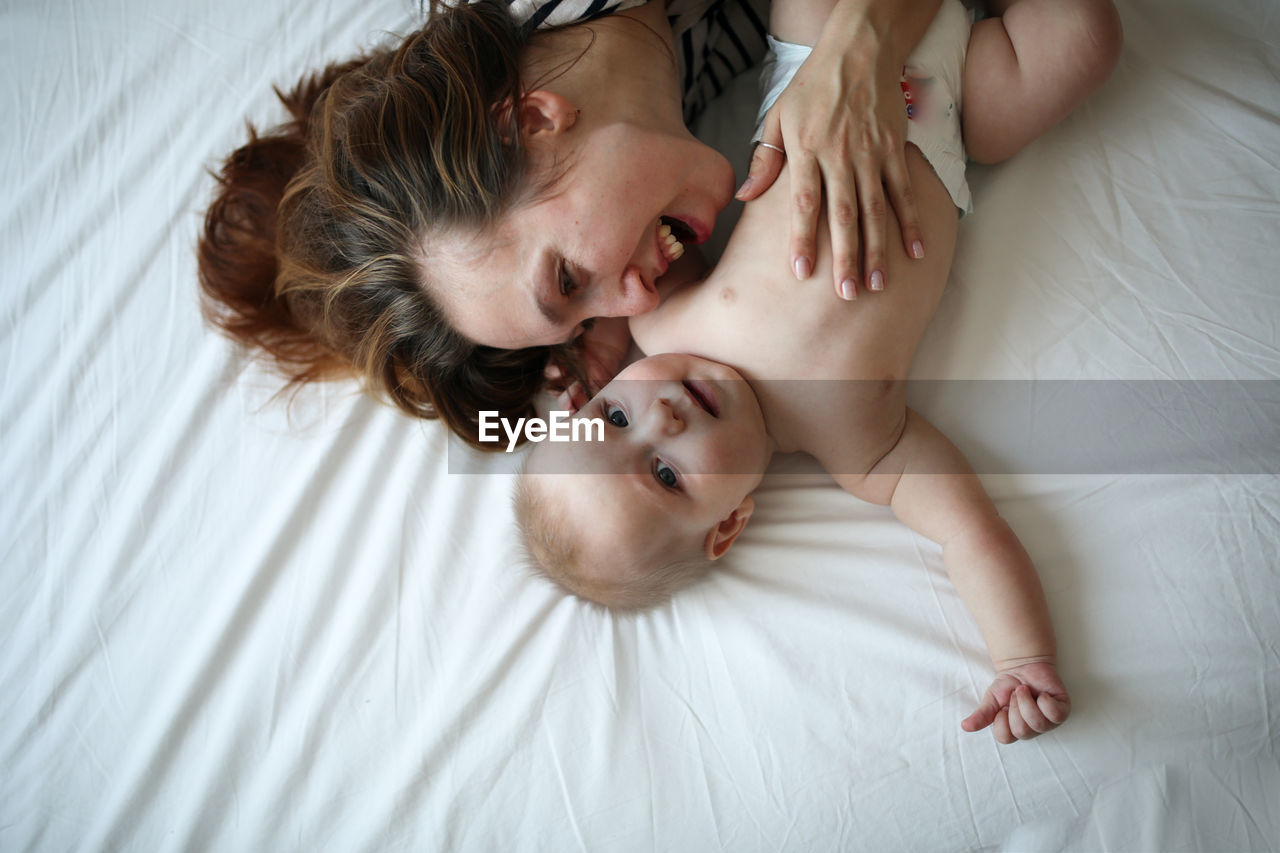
(931, 86)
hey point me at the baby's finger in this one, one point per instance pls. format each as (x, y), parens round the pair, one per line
(1030, 712)
(1017, 726)
(806, 193)
(977, 721)
(572, 398)
(898, 181)
(871, 197)
(1056, 709)
(983, 715)
(1000, 728)
(767, 161)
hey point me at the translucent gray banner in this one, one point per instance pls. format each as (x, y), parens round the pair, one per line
(1043, 426)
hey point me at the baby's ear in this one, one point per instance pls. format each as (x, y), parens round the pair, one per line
(720, 537)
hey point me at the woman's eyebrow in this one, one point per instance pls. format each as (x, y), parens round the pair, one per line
(552, 315)
(544, 306)
(546, 309)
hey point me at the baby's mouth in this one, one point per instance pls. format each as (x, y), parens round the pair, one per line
(703, 396)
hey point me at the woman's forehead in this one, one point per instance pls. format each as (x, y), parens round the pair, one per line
(493, 286)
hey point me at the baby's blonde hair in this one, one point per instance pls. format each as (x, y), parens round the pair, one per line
(552, 552)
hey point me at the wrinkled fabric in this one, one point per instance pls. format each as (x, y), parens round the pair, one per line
(239, 620)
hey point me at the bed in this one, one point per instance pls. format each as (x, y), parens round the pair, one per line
(234, 620)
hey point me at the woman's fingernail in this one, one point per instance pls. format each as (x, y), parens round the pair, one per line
(746, 185)
(802, 268)
(848, 290)
(877, 280)
(917, 250)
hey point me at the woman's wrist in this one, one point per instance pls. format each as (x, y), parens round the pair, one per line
(889, 29)
(868, 40)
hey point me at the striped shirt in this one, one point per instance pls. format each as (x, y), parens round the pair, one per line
(715, 39)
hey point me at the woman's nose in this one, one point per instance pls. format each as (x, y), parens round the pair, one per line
(633, 295)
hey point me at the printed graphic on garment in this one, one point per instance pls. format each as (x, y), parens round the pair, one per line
(916, 92)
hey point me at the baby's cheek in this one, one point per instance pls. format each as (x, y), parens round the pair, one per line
(742, 456)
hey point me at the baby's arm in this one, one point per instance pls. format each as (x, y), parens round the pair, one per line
(932, 489)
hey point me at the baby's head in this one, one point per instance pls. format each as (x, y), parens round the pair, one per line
(626, 521)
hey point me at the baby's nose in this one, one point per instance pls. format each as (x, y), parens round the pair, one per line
(668, 419)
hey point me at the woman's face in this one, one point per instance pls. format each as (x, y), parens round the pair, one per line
(589, 246)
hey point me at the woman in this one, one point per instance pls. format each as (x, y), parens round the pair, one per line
(445, 218)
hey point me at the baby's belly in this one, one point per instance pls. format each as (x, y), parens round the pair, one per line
(848, 425)
(803, 328)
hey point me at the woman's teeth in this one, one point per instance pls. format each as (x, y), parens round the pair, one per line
(671, 247)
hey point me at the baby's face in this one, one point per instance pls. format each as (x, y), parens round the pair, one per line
(684, 444)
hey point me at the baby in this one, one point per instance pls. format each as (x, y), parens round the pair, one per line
(690, 429)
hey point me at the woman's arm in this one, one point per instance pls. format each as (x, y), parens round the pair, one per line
(842, 124)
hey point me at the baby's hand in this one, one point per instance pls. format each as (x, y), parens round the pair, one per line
(1024, 701)
(572, 399)
(604, 349)
(601, 351)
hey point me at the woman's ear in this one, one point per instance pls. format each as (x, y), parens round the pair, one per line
(720, 537)
(541, 112)
(544, 112)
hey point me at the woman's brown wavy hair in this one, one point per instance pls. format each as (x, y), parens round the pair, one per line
(312, 247)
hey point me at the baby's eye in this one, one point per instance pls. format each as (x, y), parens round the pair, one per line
(616, 416)
(666, 474)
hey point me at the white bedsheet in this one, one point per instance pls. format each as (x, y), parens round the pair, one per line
(234, 623)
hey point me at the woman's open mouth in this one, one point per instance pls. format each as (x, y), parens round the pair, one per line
(668, 243)
(681, 230)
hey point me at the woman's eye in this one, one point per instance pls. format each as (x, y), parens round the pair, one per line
(616, 416)
(666, 474)
(567, 285)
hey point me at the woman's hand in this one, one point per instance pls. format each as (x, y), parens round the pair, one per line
(1024, 701)
(842, 124)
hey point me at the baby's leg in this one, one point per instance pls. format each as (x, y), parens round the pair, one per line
(1030, 67)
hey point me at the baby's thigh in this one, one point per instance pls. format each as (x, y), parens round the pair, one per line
(1028, 69)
